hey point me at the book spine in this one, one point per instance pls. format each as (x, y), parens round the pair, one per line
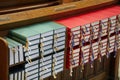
(11, 57)
(11, 76)
(19, 75)
(17, 39)
(21, 53)
(12, 33)
(16, 55)
(23, 75)
(15, 76)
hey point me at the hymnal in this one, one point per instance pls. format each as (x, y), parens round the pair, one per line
(15, 51)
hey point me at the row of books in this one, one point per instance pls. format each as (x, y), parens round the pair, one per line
(44, 38)
(15, 51)
(17, 75)
(41, 45)
(42, 68)
(35, 41)
(91, 36)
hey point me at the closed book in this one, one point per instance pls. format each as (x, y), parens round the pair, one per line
(23, 75)
(11, 53)
(60, 58)
(74, 61)
(15, 76)
(47, 38)
(45, 66)
(46, 63)
(19, 49)
(47, 47)
(61, 34)
(46, 75)
(49, 42)
(46, 28)
(32, 52)
(11, 76)
(59, 66)
(72, 57)
(47, 58)
(16, 49)
(32, 77)
(60, 39)
(49, 51)
(32, 68)
(59, 29)
(60, 43)
(45, 71)
(61, 53)
(59, 70)
(33, 42)
(33, 63)
(19, 57)
(25, 33)
(19, 75)
(61, 61)
(33, 47)
(32, 72)
(11, 56)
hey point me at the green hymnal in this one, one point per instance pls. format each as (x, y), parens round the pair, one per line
(29, 32)
(16, 51)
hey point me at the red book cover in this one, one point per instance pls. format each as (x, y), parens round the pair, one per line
(83, 19)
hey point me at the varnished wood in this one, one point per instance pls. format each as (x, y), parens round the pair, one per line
(66, 1)
(78, 75)
(117, 62)
(27, 7)
(101, 76)
(26, 17)
(14, 3)
(3, 33)
(3, 60)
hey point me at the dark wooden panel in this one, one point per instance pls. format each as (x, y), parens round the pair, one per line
(117, 62)
(98, 72)
(15, 3)
(101, 76)
(3, 60)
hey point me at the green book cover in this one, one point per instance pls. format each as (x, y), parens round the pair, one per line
(42, 27)
(14, 42)
(10, 44)
(46, 27)
(23, 33)
(57, 26)
(17, 39)
(35, 29)
(11, 55)
(16, 49)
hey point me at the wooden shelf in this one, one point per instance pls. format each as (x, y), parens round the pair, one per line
(23, 62)
(13, 20)
(25, 16)
(27, 7)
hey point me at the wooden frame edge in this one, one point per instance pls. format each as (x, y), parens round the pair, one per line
(3, 59)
